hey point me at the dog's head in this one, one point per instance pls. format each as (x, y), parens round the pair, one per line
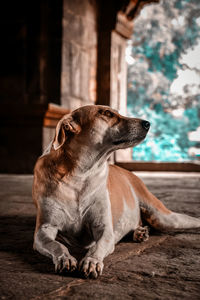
(100, 128)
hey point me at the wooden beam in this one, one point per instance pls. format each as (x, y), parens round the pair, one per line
(53, 114)
(160, 166)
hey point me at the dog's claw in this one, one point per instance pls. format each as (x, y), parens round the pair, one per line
(98, 269)
(65, 263)
(73, 268)
(91, 267)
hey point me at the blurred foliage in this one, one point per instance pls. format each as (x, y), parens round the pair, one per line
(163, 33)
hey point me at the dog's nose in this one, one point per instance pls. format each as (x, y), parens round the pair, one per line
(145, 125)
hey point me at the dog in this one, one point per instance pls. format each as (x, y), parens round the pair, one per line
(83, 203)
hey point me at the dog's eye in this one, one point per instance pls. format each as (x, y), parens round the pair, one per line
(66, 127)
(100, 111)
(108, 114)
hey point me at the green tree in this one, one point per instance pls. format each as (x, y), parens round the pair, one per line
(164, 36)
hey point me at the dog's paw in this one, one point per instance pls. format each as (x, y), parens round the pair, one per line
(91, 267)
(141, 234)
(65, 263)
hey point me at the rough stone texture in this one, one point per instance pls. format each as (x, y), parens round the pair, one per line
(79, 53)
(164, 267)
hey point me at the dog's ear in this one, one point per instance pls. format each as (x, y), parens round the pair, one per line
(64, 127)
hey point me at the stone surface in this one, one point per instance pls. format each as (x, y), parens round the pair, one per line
(79, 53)
(164, 267)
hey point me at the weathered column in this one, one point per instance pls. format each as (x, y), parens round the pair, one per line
(79, 53)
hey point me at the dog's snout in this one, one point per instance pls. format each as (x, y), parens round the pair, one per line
(145, 125)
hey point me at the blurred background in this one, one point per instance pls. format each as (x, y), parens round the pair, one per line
(163, 59)
(138, 56)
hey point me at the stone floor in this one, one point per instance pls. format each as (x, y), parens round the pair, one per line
(167, 266)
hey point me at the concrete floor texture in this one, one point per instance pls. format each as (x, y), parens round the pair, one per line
(167, 266)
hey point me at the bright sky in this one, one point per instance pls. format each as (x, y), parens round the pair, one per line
(187, 76)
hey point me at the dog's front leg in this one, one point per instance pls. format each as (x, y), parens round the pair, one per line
(101, 227)
(92, 264)
(45, 243)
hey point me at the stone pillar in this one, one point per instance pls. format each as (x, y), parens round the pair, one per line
(79, 53)
(118, 86)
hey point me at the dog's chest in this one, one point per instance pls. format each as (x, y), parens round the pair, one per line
(76, 196)
(80, 234)
(76, 208)
(74, 222)
(77, 225)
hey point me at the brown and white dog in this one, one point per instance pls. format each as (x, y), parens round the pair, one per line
(86, 204)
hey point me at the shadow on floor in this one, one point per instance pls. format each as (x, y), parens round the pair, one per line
(17, 232)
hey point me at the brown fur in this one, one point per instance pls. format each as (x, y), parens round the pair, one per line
(119, 191)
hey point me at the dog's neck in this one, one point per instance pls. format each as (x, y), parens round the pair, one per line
(84, 163)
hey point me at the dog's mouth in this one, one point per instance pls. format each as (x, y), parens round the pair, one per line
(136, 140)
(121, 142)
